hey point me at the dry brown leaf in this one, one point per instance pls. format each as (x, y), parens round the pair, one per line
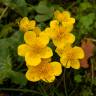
(88, 47)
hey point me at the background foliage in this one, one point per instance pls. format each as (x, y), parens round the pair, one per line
(12, 67)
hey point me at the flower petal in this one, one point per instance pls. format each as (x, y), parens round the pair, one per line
(23, 24)
(57, 69)
(79, 53)
(43, 39)
(46, 52)
(32, 59)
(70, 38)
(48, 79)
(57, 15)
(72, 20)
(31, 24)
(37, 30)
(65, 62)
(58, 43)
(75, 64)
(23, 49)
(54, 24)
(66, 14)
(67, 27)
(32, 75)
(61, 51)
(30, 37)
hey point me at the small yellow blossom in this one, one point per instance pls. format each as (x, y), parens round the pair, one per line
(35, 48)
(70, 57)
(45, 71)
(64, 17)
(54, 24)
(59, 34)
(26, 24)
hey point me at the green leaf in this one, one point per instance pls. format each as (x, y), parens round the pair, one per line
(19, 6)
(5, 60)
(87, 20)
(86, 92)
(85, 6)
(18, 78)
(42, 18)
(6, 29)
(42, 8)
(78, 78)
(94, 81)
(5, 56)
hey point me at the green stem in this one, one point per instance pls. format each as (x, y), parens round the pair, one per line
(4, 11)
(43, 91)
(65, 83)
(20, 90)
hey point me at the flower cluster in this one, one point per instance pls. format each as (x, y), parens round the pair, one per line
(38, 54)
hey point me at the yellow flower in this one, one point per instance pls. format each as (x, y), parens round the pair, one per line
(35, 48)
(61, 50)
(70, 57)
(27, 25)
(59, 34)
(45, 71)
(64, 17)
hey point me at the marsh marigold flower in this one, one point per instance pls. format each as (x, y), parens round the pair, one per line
(64, 17)
(26, 24)
(59, 34)
(45, 71)
(35, 47)
(70, 56)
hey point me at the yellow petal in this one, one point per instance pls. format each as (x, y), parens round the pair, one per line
(62, 51)
(32, 59)
(48, 79)
(72, 20)
(30, 37)
(66, 38)
(61, 43)
(57, 13)
(54, 23)
(46, 52)
(65, 62)
(23, 20)
(23, 49)
(70, 38)
(37, 30)
(75, 64)
(48, 32)
(59, 51)
(24, 24)
(32, 24)
(43, 39)
(57, 69)
(58, 43)
(32, 75)
(67, 27)
(66, 14)
(79, 53)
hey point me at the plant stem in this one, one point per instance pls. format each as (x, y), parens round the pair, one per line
(65, 83)
(43, 91)
(20, 90)
(4, 11)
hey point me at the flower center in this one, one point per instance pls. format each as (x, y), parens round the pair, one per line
(36, 49)
(44, 68)
(70, 55)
